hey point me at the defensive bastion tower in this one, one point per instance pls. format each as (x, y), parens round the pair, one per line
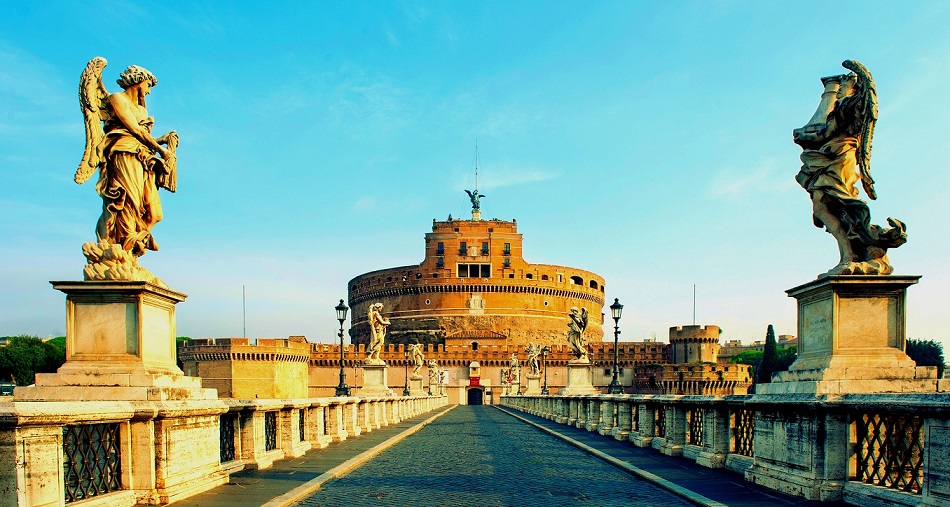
(474, 287)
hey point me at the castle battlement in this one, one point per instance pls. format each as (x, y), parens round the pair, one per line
(694, 333)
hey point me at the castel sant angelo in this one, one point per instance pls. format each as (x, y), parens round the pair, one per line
(474, 286)
(476, 307)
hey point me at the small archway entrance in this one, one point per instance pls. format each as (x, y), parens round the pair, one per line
(475, 396)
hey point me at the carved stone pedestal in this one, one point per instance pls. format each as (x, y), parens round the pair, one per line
(415, 386)
(579, 380)
(120, 345)
(120, 352)
(534, 385)
(851, 338)
(375, 380)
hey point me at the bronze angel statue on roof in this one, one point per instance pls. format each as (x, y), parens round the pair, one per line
(836, 154)
(475, 197)
(132, 166)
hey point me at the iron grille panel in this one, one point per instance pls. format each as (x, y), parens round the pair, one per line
(743, 432)
(301, 423)
(226, 445)
(270, 431)
(890, 451)
(635, 417)
(91, 465)
(694, 420)
(660, 419)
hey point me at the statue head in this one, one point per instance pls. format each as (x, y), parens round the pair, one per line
(575, 310)
(134, 75)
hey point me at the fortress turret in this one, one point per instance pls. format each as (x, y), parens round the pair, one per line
(694, 344)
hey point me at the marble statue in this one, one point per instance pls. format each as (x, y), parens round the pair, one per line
(418, 358)
(836, 154)
(377, 326)
(513, 363)
(575, 335)
(433, 372)
(475, 197)
(533, 352)
(132, 166)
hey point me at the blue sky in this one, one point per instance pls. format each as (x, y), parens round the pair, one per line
(649, 142)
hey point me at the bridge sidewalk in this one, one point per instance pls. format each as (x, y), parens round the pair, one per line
(718, 485)
(288, 479)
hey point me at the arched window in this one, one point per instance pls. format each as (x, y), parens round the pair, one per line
(474, 345)
(544, 277)
(576, 280)
(593, 284)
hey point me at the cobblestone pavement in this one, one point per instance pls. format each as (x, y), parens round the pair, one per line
(480, 456)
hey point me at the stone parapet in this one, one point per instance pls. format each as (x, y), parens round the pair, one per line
(866, 449)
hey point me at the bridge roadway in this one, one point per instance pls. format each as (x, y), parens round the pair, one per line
(486, 456)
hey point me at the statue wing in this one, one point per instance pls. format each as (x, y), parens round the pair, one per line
(584, 317)
(868, 119)
(94, 102)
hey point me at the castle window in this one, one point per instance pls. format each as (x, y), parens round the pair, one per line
(440, 248)
(463, 248)
(507, 249)
(440, 262)
(474, 270)
(560, 278)
(576, 280)
(544, 277)
(529, 276)
(511, 275)
(507, 262)
(484, 248)
(418, 275)
(474, 345)
(428, 302)
(593, 284)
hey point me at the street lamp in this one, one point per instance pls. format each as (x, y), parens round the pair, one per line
(544, 354)
(342, 389)
(405, 390)
(615, 310)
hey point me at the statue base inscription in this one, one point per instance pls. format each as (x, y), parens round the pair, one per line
(851, 331)
(120, 345)
(375, 381)
(579, 380)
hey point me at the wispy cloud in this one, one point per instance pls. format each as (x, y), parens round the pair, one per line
(505, 175)
(734, 182)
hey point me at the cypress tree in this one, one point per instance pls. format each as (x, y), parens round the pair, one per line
(769, 358)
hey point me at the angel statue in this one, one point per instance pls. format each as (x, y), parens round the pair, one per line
(377, 327)
(132, 166)
(418, 358)
(475, 197)
(836, 154)
(533, 351)
(575, 335)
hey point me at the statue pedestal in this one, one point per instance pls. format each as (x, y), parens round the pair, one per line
(415, 386)
(579, 380)
(534, 385)
(851, 338)
(375, 380)
(120, 348)
(851, 341)
(120, 345)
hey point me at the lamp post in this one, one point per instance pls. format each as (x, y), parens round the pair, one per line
(405, 391)
(544, 355)
(616, 309)
(342, 389)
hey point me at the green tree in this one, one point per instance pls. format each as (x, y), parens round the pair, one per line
(752, 358)
(770, 362)
(926, 353)
(786, 357)
(25, 356)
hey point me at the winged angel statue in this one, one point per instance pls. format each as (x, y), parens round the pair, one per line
(132, 166)
(836, 154)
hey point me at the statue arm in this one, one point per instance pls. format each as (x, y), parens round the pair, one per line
(122, 109)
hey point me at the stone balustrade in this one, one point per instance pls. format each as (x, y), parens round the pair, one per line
(115, 453)
(868, 450)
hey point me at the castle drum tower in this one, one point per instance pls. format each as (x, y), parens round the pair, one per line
(475, 287)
